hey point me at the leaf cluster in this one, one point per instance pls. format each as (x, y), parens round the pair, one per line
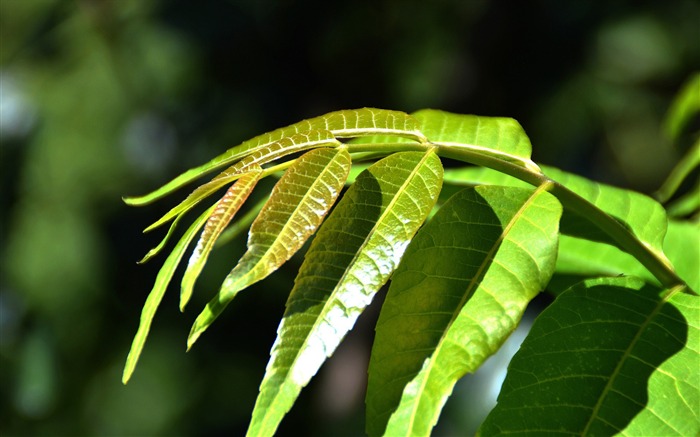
(465, 250)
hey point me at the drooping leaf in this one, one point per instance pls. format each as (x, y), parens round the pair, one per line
(352, 256)
(297, 205)
(156, 295)
(461, 289)
(283, 147)
(499, 138)
(609, 356)
(224, 211)
(240, 225)
(341, 124)
(156, 250)
(640, 214)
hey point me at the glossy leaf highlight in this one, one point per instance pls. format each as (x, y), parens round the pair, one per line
(352, 256)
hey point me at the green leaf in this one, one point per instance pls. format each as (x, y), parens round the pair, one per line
(461, 289)
(640, 214)
(499, 138)
(684, 107)
(156, 294)
(352, 256)
(297, 205)
(610, 355)
(283, 147)
(225, 209)
(682, 244)
(680, 172)
(341, 124)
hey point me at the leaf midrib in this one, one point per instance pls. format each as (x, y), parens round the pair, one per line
(628, 353)
(330, 299)
(287, 225)
(471, 288)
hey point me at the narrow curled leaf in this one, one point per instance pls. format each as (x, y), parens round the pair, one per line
(156, 250)
(156, 294)
(281, 148)
(609, 356)
(341, 124)
(680, 173)
(296, 207)
(224, 211)
(461, 289)
(352, 256)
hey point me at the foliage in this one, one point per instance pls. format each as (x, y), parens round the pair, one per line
(613, 353)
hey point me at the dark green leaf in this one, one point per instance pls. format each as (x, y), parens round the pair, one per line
(611, 355)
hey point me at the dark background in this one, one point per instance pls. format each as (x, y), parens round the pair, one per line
(107, 98)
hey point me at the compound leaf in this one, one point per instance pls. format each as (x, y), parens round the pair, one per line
(642, 216)
(610, 355)
(459, 292)
(352, 256)
(297, 205)
(224, 211)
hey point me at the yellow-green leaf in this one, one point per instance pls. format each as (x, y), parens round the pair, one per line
(353, 255)
(283, 147)
(156, 294)
(342, 124)
(297, 205)
(225, 209)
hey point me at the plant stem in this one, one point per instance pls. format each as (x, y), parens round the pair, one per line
(654, 261)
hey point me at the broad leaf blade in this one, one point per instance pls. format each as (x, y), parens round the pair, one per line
(642, 215)
(496, 137)
(353, 255)
(461, 289)
(297, 205)
(611, 355)
(341, 124)
(224, 211)
(156, 295)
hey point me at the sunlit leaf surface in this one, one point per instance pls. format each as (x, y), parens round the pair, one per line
(352, 256)
(297, 205)
(611, 355)
(460, 290)
(641, 214)
(258, 157)
(342, 124)
(224, 211)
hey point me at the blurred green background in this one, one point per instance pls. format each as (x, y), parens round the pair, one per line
(104, 98)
